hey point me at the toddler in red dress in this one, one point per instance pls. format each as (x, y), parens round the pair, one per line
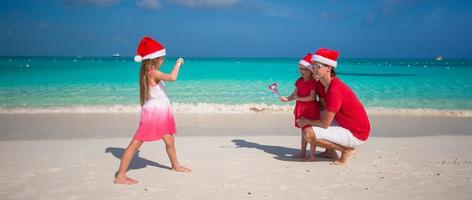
(306, 105)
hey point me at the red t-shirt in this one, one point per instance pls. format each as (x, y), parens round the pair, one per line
(349, 112)
(320, 90)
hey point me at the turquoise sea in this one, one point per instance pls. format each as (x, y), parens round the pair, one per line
(226, 84)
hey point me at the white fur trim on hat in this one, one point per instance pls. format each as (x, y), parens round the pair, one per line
(138, 58)
(324, 60)
(305, 64)
(156, 54)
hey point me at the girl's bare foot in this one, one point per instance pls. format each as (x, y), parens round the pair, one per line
(181, 169)
(123, 179)
(299, 155)
(310, 159)
(346, 156)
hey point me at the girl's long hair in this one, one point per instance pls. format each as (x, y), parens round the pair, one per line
(144, 80)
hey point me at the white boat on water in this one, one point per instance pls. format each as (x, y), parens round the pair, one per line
(115, 55)
(439, 58)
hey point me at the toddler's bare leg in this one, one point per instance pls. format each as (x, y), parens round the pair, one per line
(311, 158)
(172, 153)
(302, 152)
(120, 176)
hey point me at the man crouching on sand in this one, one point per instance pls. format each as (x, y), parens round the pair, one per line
(341, 105)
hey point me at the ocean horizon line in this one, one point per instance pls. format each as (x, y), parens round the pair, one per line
(233, 57)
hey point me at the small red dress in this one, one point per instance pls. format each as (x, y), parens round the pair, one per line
(309, 110)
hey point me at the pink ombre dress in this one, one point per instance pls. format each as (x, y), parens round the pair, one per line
(156, 116)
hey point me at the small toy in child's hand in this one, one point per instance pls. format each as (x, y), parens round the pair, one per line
(273, 88)
(180, 60)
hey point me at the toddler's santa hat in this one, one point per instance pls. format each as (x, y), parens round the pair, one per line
(306, 61)
(326, 56)
(149, 48)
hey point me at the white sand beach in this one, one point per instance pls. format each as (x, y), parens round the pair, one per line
(233, 156)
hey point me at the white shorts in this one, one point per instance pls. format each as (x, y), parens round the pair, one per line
(337, 135)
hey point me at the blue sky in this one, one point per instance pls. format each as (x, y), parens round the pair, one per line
(238, 28)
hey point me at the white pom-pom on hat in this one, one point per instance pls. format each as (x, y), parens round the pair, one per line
(138, 58)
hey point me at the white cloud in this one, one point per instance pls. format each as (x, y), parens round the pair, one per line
(268, 9)
(99, 3)
(206, 3)
(148, 4)
(9, 33)
(370, 18)
(328, 16)
(279, 14)
(117, 38)
(388, 6)
(384, 9)
(43, 26)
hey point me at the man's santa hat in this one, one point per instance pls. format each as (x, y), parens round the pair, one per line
(326, 56)
(149, 48)
(306, 61)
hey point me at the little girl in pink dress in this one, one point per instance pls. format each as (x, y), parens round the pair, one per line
(156, 115)
(157, 120)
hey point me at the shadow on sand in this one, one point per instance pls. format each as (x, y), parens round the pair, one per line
(137, 162)
(280, 153)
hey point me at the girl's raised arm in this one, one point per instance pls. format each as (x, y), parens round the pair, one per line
(172, 76)
(289, 98)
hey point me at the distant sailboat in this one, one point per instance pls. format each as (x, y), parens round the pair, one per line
(439, 58)
(78, 54)
(115, 55)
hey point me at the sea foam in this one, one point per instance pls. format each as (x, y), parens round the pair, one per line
(224, 108)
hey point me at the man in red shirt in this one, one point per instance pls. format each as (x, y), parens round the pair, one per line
(343, 106)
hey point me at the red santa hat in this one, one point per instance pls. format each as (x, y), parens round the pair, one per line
(326, 56)
(149, 48)
(306, 61)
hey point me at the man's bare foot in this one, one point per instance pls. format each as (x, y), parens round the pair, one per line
(310, 159)
(331, 154)
(181, 169)
(299, 155)
(123, 179)
(346, 156)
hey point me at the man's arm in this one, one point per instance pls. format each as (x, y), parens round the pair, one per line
(323, 123)
(322, 104)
